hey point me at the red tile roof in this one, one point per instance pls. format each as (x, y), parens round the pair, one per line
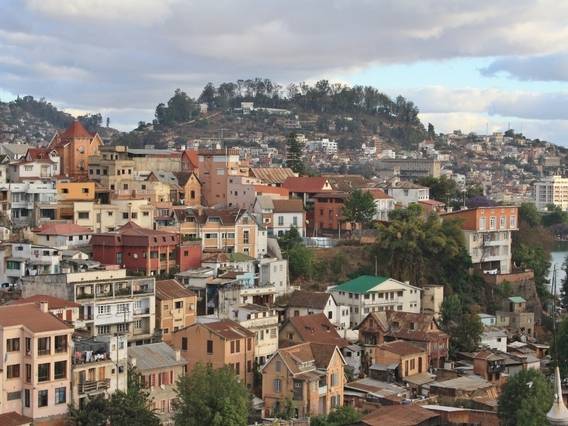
(305, 184)
(52, 302)
(37, 154)
(401, 347)
(317, 329)
(76, 130)
(378, 194)
(267, 189)
(228, 329)
(62, 229)
(171, 289)
(400, 415)
(30, 316)
(294, 205)
(14, 419)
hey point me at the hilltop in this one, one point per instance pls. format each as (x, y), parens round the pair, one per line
(247, 111)
(34, 122)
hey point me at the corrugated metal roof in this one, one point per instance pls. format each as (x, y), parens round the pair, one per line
(154, 355)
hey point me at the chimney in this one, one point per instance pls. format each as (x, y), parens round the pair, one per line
(44, 307)
(178, 355)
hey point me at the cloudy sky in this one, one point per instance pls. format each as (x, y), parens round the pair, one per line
(473, 65)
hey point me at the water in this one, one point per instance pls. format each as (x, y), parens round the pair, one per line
(557, 259)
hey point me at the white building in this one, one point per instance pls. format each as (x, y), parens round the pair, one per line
(303, 303)
(405, 192)
(263, 322)
(494, 339)
(19, 201)
(384, 204)
(324, 145)
(274, 272)
(551, 190)
(19, 260)
(369, 293)
(288, 214)
(63, 236)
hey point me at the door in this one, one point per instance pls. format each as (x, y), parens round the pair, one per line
(68, 315)
(420, 365)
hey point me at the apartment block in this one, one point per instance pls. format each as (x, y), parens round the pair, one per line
(551, 190)
(110, 217)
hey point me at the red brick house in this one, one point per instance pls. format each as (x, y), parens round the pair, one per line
(139, 250)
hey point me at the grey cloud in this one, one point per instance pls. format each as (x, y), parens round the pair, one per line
(553, 67)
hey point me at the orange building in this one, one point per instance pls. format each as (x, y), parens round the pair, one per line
(328, 212)
(410, 359)
(219, 344)
(311, 375)
(176, 307)
(189, 188)
(215, 166)
(74, 146)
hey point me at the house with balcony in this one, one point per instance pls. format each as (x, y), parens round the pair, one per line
(137, 249)
(368, 293)
(38, 163)
(176, 307)
(490, 365)
(36, 362)
(111, 302)
(18, 260)
(160, 367)
(99, 367)
(263, 322)
(311, 375)
(218, 343)
(273, 271)
(29, 203)
(488, 236)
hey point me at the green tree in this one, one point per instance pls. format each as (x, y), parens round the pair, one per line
(537, 259)
(93, 413)
(442, 189)
(562, 346)
(290, 239)
(213, 397)
(564, 287)
(529, 214)
(342, 416)
(554, 216)
(526, 399)
(300, 262)
(359, 207)
(294, 154)
(431, 131)
(463, 327)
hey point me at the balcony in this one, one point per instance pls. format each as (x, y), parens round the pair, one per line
(495, 368)
(92, 386)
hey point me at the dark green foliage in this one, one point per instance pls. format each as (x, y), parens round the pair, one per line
(213, 397)
(564, 286)
(343, 416)
(300, 262)
(294, 154)
(529, 214)
(562, 346)
(535, 258)
(180, 108)
(359, 207)
(42, 109)
(121, 409)
(91, 121)
(554, 216)
(526, 399)
(463, 327)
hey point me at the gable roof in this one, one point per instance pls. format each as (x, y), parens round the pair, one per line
(171, 289)
(62, 229)
(413, 326)
(75, 130)
(361, 284)
(378, 194)
(308, 299)
(305, 184)
(346, 182)
(52, 302)
(294, 205)
(401, 347)
(12, 418)
(400, 415)
(272, 175)
(319, 354)
(30, 316)
(265, 202)
(316, 329)
(226, 329)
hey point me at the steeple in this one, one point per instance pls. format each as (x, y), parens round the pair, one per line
(558, 414)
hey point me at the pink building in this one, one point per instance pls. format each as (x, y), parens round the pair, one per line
(35, 349)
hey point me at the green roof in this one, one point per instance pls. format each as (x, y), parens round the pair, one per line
(517, 299)
(361, 284)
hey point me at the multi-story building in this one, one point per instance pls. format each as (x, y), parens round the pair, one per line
(110, 217)
(515, 317)
(243, 191)
(551, 190)
(18, 260)
(303, 302)
(263, 322)
(176, 307)
(488, 238)
(29, 203)
(62, 236)
(36, 362)
(161, 367)
(311, 375)
(137, 249)
(412, 168)
(328, 212)
(63, 309)
(215, 168)
(38, 163)
(75, 145)
(315, 328)
(225, 229)
(384, 203)
(287, 214)
(405, 192)
(219, 344)
(111, 302)
(432, 299)
(369, 293)
(100, 367)
(274, 271)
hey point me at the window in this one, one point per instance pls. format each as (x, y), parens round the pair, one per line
(513, 222)
(12, 396)
(502, 222)
(122, 328)
(245, 237)
(125, 215)
(60, 344)
(43, 345)
(65, 190)
(43, 372)
(481, 223)
(122, 308)
(179, 305)
(28, 168)
(28, 346)
(103, 309)
(278, 366)
(83, 215)
(145, 214)
(295, 221)
(276, 385)
(13, 371)
(280, 220)
(232, 346)
(210, 346)
(60, 370)
(42, 398)
(13, 345)
(103, 329)
(60, 395)
(334, 379)
(492, 222)
(184, 343)
(27, 399)
(28, 373)
(134, 215)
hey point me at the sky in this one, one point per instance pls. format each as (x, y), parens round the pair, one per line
(469, 65)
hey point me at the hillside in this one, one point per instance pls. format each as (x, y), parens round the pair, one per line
(349, 115)
(31, 121)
